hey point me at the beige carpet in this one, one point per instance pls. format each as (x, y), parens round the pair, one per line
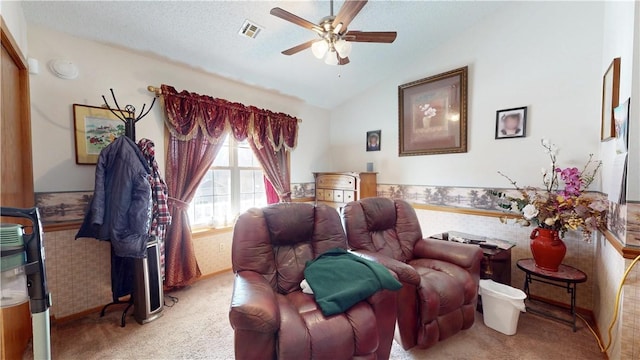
(197, 327)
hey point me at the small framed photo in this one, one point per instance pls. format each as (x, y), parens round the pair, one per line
(511, 123)
(373, 140)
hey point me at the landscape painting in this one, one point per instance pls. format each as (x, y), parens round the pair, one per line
(95, 128)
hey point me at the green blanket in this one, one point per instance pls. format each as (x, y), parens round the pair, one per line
(340, 280)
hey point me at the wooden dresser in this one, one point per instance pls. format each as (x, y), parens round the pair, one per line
(338, 188)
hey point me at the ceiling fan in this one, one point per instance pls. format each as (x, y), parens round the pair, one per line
(334, 45)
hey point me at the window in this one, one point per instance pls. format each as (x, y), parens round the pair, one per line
(233, 185)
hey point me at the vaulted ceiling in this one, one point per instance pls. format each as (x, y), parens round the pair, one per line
(205, 35)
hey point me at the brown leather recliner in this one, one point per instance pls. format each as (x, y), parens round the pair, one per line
(440, 279)
(271, 316)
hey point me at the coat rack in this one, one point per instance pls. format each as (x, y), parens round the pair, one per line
(130, 120)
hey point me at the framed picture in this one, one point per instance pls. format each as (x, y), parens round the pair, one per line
(511, 123)
(621, 118)
(610, 99)
(95, 128)
(374, 140)
(433, 114)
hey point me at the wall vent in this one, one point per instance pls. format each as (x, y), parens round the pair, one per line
(250, 29)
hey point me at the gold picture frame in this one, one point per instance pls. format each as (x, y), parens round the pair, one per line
(433, 114)
(610, 99)
(95, 128)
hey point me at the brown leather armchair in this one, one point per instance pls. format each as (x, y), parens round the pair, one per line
(271, 316)
(440, 279)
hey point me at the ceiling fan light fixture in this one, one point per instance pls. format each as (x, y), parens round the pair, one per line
(331, 58)
(334, 45)
(319, 48)
(343, 48)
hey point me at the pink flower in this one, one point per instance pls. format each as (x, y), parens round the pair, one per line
(571, 178)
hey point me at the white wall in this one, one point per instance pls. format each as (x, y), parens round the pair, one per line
(633, 185)
(545, 56)
(13, 16)
(610, 267)
(618, 41)
(128, 73)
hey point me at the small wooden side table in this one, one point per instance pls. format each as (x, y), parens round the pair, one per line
(496, 265)
(566, 277)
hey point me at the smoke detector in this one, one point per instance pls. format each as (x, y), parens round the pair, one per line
(64, 69)
(250, 29)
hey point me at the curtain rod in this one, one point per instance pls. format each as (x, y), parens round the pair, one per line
(158, 92)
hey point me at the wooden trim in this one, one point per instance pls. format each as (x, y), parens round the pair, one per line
(97, 309)
(9, 42)
(206, 232)
(627, 252)
(465, 211)
(303, 199)
(79, 315)
(587, 314)
(215, 273)
(580, 310)
(70, 225)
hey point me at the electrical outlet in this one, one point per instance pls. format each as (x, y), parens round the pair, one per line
(221, 247)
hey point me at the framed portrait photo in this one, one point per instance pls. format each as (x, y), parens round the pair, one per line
(433, 114)
(610, 99)
(95, 128)
(511, 123)
(374, 140)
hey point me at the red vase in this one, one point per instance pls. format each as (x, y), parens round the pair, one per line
(547, 249)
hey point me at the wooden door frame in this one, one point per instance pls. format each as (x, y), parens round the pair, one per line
(9, 43)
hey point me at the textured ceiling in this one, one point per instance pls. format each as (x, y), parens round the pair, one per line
(205, 35)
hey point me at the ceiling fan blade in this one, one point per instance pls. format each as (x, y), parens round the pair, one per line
(347, 12)
(343, 61)
(296, 49)
(285, 15)
(371, 36)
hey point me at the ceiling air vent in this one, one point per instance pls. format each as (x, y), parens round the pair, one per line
(250, 29)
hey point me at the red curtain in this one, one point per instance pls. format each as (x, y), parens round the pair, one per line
(270, 192)
(274, 164)
(197, 124)
(187, 163)
(213, 117)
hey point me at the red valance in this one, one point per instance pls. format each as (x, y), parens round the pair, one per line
(190, 113)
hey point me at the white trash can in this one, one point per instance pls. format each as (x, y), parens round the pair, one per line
(501, 306)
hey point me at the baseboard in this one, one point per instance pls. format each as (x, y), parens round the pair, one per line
(97, 309)
(579, 310)
(210, 275)
(76, 316)
(586, 313)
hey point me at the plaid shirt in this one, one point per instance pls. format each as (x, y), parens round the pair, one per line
(159, 194)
